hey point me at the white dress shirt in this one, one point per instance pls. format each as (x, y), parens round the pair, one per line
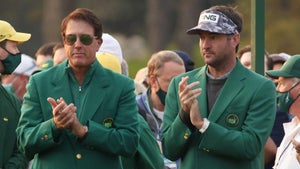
(286, 153)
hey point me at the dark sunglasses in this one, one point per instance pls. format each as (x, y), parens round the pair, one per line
(84, 39)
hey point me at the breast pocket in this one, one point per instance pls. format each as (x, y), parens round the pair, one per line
(105, 117)
(233, 117)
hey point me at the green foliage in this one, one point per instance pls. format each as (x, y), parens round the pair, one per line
(136, 64)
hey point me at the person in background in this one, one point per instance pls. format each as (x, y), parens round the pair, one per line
(59, 54)
(44, 54)
(79, 114)
(16, 82)
(272, 62)
(10, 57)
(277, 60)
(148, 155)
(124, 67)
(245, 58)
(141, 80)
(288, 86)
(162, 67)
(219, 115)
(188, 62)
(277, 134)
(244, 55)
(112, 46)
(110, 53)
(109, 61)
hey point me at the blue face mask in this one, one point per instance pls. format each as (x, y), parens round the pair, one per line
(11, 62)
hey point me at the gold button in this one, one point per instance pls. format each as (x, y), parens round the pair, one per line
(186, 136)
(205, 149)
(5, 119)
(78, 156)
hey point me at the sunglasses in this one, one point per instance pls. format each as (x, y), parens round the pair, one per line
(84, 39)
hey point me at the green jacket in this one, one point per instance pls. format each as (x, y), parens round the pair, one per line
(148, 155)
(105, 103)
(240, 123)
(10, 156)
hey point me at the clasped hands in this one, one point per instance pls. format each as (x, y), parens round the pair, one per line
(64, 116)
(188, 99)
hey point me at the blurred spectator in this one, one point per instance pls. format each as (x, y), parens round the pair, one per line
(44, 53)
(109, 61)
(278, 59)
(112, 46)
(277, 134)
(163, 66)
(11, 156)
(16, 82)
(59, 54)
(124, 67)
(141, 80)
(244, 55)
(148, 154)
(188, 62)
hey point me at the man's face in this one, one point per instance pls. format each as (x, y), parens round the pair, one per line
(81, 55)
(216, 48)
(11, 46)
(59, 56)
(41, 59)
(286, 84)
(246, 59)
(168, 71)
(8, 47)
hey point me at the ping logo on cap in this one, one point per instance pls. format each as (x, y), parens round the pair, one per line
(209, 17)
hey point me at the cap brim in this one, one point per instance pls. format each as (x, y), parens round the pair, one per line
(194, 30)
(20, 37)
(206, 26)
(277, 73)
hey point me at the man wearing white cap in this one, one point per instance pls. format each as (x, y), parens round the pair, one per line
(219, 115)
(10, 58)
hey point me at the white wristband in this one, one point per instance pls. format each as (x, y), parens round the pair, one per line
(204, 126)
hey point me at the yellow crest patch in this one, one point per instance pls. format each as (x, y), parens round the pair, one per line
(232, 120)
(107, 122)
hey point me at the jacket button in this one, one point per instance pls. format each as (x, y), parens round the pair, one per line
(186, 136)
(78, 156)
(205, 149)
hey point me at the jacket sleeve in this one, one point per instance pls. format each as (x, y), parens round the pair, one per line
(17, 160)
(175, 133)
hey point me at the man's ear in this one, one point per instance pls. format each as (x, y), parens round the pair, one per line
(152, 81)
(236, 39)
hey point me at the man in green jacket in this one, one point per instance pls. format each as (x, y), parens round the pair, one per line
(10, 58)
(219, 115)
(79, 114)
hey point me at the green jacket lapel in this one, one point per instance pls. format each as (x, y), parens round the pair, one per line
(202, 99)
(230, 89)
(98, 83)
